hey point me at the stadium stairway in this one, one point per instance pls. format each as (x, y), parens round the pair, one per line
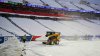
(52, 3)
(92, 7)
(4, 23)
(43, 25)
(9, 32)
(58, 27)
(44, 3)
(72, 27)
(84, 7)
(4, 33)
(97, 7)
(60, 4)
(18, 26)
(68, 5)
(91, 21)
(30, 25)
(35, 2)
(76, 6)
(80, 29)
(90, 27)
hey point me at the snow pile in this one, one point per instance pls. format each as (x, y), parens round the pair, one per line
(12, 47)
(65, 48)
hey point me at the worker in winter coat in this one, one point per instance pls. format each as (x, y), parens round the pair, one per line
(24, 38)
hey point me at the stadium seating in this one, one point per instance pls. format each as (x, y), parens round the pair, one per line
(30, 26)
(4, 23)
(84, 7)
(68, 5)
(35, 2)
(52, 3)
(39, 27)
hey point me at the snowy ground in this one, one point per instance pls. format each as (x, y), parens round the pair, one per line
(65, 48)
(12, 47)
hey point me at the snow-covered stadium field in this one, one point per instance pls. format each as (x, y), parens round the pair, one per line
(79, 37)
(65, 48)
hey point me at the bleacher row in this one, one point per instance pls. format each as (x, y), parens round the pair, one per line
(61, 3)
(35, 27)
